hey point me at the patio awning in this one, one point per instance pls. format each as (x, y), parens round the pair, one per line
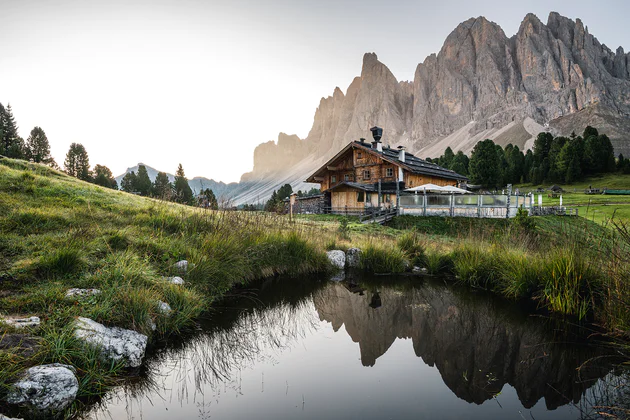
(432, 188)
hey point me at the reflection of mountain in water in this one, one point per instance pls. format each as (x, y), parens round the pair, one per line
(476, 347)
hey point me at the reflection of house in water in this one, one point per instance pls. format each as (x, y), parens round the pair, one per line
(475, 347)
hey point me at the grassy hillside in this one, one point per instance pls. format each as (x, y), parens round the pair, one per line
(58, 233)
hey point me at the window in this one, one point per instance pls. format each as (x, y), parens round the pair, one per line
(389, 172)
(366, 174)
(360, 197)
(346, 177)
(359, 155)
(333, 179)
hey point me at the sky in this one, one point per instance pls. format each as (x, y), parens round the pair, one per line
(202, 83)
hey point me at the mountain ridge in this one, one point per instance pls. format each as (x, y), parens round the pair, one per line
(481, 84)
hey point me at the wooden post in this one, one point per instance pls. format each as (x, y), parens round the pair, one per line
(397, 193)
(452, 204)
(479, 200)
(424, 203)
(379, 194)
(291, 204)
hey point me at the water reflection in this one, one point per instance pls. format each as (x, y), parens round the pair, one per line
(295, 332)
(476, 347)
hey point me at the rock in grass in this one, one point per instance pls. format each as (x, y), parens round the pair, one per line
(182, 266)
(338, 276)
(176, 280)
(46, 388)
(3, 417)
(79, 293)
(31, 321)
(353, 257)
(337, 258)
(419, 270)
(164, 308)
(115, 343)
(25, 345)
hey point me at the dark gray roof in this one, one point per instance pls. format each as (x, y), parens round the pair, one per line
(365, 187)
(415, 164)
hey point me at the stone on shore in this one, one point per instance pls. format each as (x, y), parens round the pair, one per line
(115, 343)
(79, 293)
(31, 321)
(337, 258)
(46, 388)
(164, 308)
(182, 266)
(176, 280)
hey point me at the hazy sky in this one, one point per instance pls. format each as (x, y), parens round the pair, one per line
(203, 82)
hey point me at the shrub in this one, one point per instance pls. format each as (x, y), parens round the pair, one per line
(411, 243)
(382, 259)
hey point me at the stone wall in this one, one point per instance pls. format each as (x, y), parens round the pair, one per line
(306, 205)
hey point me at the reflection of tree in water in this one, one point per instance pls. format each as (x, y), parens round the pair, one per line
(252, 326)
(476, 347)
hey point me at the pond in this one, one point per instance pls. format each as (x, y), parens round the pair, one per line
(384, 348)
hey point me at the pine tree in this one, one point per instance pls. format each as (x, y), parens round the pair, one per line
(183, 192)
(103, 176)
(37, 146)
(484, 164)
(460, 163)
(284, 192)
(210, 198)
(11, 144)
(162, 187)
(143, 182)
(128, 183)
(77, 163)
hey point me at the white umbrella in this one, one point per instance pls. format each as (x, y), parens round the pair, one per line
(455, 190)
(427, 188)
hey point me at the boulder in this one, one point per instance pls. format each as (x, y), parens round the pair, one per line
(3, 417)
(46, 388)
(115, 343)
(31, 321)
(337, 258)
(353, 257)
(419, 270)
(23, 344)
(181, 266)
(164, 308)
(176, 280)
(79, 293)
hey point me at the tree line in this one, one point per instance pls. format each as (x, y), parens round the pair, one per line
(553, 160)
(275, 203)
(36, 149)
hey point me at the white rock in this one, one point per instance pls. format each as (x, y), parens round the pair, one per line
(353, 257)
(419, 270)
(182, 266)
(31, 321)
(176, 280)
(337, 258)
(46, 387)
(164, 308)
(115, 343)
(3, 417)
(82, 292)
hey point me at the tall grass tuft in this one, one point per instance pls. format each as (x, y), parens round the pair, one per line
(568, 283)
(412, 244)
(62, 262)
(476, 264)
(382, 259)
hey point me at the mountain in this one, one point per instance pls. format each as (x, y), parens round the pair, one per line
(547, 77)
(220, 189)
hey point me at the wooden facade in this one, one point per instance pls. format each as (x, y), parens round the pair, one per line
(351, 178)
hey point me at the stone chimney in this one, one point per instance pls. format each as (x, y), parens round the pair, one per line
(401, 153)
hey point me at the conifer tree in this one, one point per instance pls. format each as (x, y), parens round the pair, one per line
(37, 146)
(143, 182)
(11, 144)
(162, 187)
(103, 176)
(183, 192)
(128, 183)
(484, 164)
(77, 163)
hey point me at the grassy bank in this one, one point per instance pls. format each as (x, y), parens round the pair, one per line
(58, 233)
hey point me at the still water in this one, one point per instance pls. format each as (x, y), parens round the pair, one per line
(390, 348)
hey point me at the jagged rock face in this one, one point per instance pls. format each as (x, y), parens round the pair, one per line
(476, 348)
(479, 82)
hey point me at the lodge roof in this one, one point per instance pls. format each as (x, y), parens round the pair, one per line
(412, 163)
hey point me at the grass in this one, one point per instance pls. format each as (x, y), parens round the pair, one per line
(57, 233)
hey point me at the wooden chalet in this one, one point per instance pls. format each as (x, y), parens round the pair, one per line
(369, 175)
